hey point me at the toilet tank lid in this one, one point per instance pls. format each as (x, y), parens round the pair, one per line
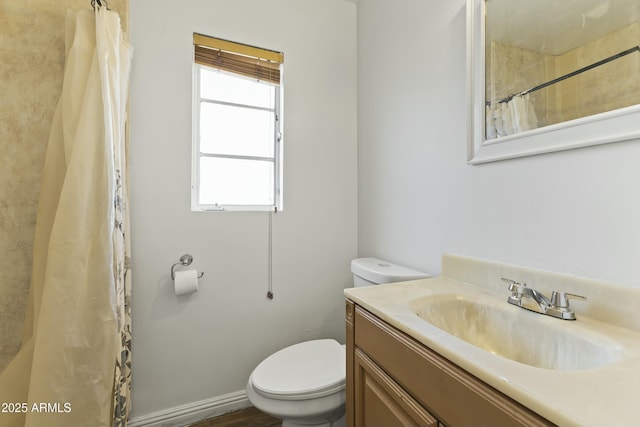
(379, 271)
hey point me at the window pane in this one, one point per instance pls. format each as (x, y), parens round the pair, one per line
(235, 182)
(234, 130)
(221, 86)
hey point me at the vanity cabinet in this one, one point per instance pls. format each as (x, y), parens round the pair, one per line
(393, 380)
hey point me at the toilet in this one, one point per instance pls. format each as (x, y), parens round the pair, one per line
(304, 384)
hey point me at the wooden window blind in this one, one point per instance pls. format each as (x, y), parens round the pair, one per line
(249, 61)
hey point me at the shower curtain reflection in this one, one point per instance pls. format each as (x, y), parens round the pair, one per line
(509, 117)
(73, 366)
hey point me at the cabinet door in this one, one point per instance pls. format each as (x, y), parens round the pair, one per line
(381, 402)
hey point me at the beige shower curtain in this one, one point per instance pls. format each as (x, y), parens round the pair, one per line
(73, 366)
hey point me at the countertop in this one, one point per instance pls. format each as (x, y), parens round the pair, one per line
(605, 396)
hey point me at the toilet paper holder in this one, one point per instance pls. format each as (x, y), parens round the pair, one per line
(185, 260)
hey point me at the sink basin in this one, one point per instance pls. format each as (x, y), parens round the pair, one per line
(518, 334)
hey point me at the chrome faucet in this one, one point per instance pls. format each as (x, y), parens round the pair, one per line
(531, 299)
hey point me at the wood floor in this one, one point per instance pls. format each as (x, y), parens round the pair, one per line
(249, 417)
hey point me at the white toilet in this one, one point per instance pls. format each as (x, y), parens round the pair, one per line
(304, 384)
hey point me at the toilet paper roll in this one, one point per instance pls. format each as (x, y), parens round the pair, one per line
(186, 282)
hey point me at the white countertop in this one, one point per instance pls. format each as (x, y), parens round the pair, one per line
(605, 396)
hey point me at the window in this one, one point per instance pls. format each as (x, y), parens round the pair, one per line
(237, 127)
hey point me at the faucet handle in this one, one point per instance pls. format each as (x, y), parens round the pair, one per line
(516, 289)
(560, 299)
(514, 286)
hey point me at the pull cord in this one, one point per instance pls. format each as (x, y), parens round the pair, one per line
(270, 273)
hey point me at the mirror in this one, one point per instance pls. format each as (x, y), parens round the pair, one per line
(551, 75)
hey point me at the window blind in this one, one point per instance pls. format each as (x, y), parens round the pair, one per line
(249, 61)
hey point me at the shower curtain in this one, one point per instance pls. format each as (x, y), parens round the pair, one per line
(509, 117)
(73, 366)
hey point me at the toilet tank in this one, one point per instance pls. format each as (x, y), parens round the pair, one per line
(374, 271)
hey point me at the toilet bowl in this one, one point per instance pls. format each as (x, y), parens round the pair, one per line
(305, 384)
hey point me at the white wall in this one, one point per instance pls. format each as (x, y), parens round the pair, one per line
(576, 212)
(194, 348)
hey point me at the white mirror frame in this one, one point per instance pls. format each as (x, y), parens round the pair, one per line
(612, 126)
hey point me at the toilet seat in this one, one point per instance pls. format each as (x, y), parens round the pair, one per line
(306, 370)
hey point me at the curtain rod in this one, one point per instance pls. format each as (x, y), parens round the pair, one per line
(571, 74)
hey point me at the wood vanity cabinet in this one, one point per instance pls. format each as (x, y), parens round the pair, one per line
(393, 380)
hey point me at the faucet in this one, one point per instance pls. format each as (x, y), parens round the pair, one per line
(531, 299)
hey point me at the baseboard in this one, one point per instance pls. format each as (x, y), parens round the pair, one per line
(184, 415)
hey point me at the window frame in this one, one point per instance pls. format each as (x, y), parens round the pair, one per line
(277, 204)
(245, 62)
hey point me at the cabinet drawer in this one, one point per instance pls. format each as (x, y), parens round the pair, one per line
(451, 394)
(382, 402)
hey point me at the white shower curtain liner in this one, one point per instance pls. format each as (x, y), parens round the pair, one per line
(513, 116)
(76, 323)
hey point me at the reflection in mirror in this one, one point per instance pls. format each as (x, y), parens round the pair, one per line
(551, 61)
